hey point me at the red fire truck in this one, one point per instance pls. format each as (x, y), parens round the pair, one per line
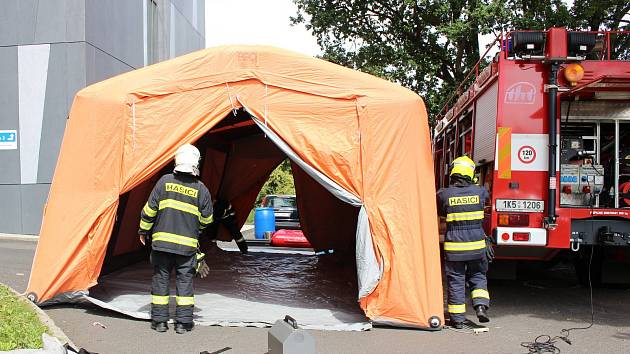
(548, 123)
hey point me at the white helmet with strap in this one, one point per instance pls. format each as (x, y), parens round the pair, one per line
(187, 159)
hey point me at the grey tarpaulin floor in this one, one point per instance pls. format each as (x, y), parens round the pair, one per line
(253, 290)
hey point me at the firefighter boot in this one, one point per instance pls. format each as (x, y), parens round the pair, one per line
(181, 328)
(482, 315)
(457, 324)
(159, 326)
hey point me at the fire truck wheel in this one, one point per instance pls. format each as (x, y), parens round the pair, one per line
(582, 263)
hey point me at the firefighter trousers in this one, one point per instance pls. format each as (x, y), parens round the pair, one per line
(458, 275)
(163, 264)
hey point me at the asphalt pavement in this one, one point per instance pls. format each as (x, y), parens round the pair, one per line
(541, 302)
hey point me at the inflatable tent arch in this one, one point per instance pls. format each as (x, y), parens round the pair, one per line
(364, 139)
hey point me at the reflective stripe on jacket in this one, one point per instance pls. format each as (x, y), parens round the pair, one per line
(178, 208)
(462, 206)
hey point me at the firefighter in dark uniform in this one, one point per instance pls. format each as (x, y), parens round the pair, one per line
(178, 209)
(462, 205)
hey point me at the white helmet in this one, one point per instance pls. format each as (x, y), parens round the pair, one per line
(187, 159)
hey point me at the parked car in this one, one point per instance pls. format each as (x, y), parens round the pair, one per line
(284, 209)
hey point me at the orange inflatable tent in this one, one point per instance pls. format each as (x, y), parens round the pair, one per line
(360, 138)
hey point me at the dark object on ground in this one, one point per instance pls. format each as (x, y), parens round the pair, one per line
(218, 351)
(71, 350)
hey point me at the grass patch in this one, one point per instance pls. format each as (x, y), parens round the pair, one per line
(20, 328)
(250, 218)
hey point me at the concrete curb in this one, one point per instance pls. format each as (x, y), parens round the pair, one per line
(46, 320)
(19, 237)
(245, 227)
(35, 238)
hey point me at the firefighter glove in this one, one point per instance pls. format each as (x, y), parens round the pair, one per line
(489, 250)
(143, 237)
(202, 268)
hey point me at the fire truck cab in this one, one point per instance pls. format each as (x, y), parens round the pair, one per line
(548, 123)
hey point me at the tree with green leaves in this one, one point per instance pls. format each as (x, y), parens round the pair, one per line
(429, 45)
(280, 182)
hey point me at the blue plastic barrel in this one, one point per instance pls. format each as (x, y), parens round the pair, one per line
(264, 220)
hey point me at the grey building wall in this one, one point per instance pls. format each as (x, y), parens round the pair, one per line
(51, 49)
(34, 22)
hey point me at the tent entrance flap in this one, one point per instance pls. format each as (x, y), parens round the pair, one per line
(369, 269)
(250, 291)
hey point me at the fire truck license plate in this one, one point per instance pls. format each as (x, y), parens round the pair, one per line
(522, 205)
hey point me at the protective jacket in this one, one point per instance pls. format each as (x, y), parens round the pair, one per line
(178, 209)
(462, 205)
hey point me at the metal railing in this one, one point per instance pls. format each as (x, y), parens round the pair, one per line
(606, 44)
(465, 83)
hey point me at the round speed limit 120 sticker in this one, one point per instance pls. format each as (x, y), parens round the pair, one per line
(526, 154)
